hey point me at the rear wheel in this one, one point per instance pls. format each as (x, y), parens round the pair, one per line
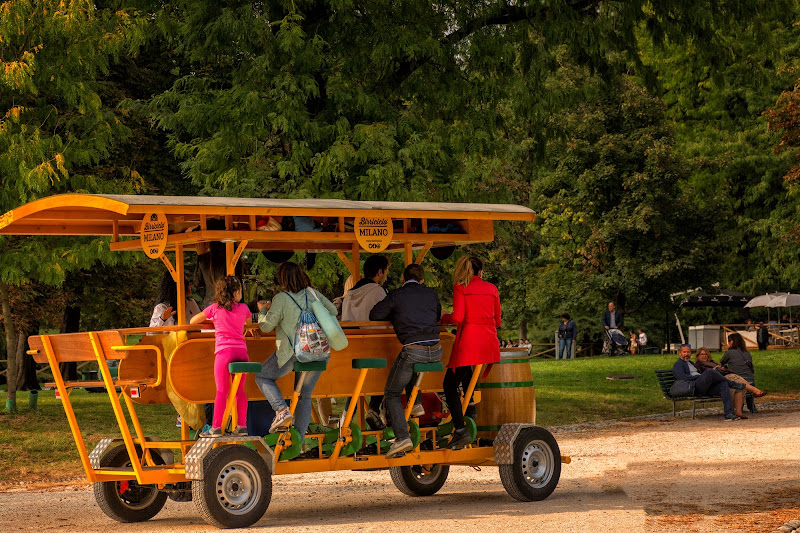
(127, 501)
(536, 469)
(419, 480)
(236, 488)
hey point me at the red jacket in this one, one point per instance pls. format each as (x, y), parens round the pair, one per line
(476, 310)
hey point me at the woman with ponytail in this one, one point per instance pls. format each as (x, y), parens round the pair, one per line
(229, 317)
(476, 311)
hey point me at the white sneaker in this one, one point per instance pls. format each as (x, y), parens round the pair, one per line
(417, 410)
(283, 419)
(399, 448)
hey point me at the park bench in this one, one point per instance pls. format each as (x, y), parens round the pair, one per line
(666, 379)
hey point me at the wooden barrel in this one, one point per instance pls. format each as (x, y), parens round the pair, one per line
(507, 394)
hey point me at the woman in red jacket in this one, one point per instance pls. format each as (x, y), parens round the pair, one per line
(476, 311)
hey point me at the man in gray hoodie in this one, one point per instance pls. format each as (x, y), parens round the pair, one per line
(360, 300)
(357, 304)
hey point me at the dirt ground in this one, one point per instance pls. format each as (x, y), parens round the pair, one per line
(648, 474)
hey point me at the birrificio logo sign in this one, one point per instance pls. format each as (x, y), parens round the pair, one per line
(373, 233)
(154, 234)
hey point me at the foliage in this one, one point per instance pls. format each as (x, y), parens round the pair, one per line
(717, 108)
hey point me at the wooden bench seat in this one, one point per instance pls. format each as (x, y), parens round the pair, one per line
(91, 346)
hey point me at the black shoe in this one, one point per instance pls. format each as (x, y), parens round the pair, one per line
(461, 438)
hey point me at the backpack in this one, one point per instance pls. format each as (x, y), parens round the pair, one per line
(310, 341)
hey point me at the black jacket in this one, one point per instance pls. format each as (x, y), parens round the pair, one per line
(606, 318)
(414, 311)
(568, 331)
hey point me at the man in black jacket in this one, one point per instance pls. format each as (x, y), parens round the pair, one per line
(414, 311)
(612, 321)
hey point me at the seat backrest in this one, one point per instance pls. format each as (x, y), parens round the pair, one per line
(76, 347)
(665, 379)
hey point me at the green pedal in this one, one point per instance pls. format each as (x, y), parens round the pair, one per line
(388, 434)
(291, 451)
(348, 449)
(444, 430)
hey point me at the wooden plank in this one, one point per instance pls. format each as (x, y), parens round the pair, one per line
(191, 368)
(73, 347)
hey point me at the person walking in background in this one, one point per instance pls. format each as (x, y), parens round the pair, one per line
(642, 340)
(612, 318)
(612, 322)
(229, 317)
(762, 336)
(634, 348)
(476, 311)
(567, 335)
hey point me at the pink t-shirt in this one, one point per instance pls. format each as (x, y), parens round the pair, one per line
(228, 325)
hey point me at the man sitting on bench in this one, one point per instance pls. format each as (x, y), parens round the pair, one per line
(709, 383)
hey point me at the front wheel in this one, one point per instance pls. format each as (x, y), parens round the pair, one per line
(419, 480)
(236, 487)
(127, 501)
(536, 469)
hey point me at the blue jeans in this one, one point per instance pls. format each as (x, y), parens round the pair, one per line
(271, 372)
(562, 344)
(400, 375)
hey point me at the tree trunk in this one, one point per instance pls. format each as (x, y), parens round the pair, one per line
(11, 344)
(523, 330)
(72, 322)
(28, 379)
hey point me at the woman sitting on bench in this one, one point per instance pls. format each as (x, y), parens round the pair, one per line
(704, 362)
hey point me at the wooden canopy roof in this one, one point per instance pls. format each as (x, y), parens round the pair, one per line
(121, 217)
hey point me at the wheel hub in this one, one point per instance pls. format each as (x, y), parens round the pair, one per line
(237, 486)
(537, 463)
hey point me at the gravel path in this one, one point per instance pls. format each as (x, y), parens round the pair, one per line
(645, 474)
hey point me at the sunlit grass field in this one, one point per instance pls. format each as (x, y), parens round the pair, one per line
(38, 446)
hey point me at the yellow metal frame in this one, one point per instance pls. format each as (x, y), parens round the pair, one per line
(121, 218)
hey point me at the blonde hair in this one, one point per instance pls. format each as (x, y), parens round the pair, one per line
(466, 268)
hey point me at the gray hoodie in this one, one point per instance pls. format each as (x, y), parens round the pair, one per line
(358, 302)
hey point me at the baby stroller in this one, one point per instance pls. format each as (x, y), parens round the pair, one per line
(615, 343)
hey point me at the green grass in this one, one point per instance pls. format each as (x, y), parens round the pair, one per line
(37, 446)
(572, 391)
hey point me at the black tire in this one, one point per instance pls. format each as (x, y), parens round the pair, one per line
(537, 466)
(419, 480)
(127, 501)
(236, 487)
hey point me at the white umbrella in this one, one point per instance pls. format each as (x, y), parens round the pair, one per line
(763, 300)
(785, 300)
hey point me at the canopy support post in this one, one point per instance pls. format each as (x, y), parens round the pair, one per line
(356, 263)
(232, 257)
(180, 277)
(409, 253)
(421, 254)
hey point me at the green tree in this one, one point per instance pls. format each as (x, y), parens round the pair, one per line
(717, 105)
(56, 130)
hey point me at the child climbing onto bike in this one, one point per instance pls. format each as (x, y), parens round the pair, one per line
(229, 317)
